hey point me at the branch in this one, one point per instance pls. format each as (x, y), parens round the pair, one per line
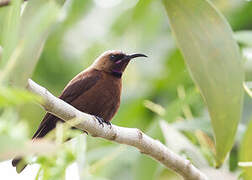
(130, 136)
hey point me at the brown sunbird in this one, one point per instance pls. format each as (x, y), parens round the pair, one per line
(96, 91)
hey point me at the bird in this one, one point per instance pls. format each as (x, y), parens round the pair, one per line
(96, 91)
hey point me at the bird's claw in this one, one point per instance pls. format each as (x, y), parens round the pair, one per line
(109, 124)
(101, 121)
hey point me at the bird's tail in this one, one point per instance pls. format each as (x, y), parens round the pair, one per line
(19, 164)
(48, 123)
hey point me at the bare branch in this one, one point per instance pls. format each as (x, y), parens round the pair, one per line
(130, 136)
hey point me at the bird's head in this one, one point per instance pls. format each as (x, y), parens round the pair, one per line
(114, 62)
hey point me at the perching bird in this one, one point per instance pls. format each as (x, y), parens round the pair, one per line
(95, 91)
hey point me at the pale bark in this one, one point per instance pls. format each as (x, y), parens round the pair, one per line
(130, 136)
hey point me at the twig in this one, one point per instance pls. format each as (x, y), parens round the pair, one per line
(130, 136)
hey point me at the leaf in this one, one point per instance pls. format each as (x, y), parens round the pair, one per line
(219, 174)
(244, 37)
(14, 96)
(247, 89)
(178, 143)
(40, 147)
(111, 161)
(156, 108)
(10, 31)
(246, 152)
(80, 147)
(74, 12)
(36, 21)
(14, 138)
(213, 59)
(174, 109)
(193, 125)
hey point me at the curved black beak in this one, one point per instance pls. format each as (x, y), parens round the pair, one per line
(129, 57)
(136, 55)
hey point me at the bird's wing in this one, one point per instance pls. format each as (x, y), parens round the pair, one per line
(81, 84)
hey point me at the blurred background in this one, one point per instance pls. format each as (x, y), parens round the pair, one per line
(159, 96)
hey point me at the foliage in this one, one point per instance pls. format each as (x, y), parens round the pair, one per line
(192, 56)
(212, 68)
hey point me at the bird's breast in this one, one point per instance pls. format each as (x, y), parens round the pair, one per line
(103, 99)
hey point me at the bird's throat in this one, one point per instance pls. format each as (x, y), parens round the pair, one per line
(116, 73)
(118, 68)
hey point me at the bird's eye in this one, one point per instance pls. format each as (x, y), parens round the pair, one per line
(116, 57)
(112, 57)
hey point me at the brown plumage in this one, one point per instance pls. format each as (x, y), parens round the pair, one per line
(95, 91)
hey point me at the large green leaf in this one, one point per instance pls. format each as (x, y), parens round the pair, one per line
(214, 61)
(35, 24)
(11, 19)
(246, 152)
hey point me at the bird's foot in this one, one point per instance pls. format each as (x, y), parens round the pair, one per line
(109, 124)
(101, 121)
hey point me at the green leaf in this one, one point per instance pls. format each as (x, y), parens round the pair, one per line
(212, 56)
(246, 152)
(80, 147)
(193, 125)
(13, 96)
(75, 11)
(174, 109)
(244, 37)
(178, 143)
(9, 37)
(12, 133)
(36, 22)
